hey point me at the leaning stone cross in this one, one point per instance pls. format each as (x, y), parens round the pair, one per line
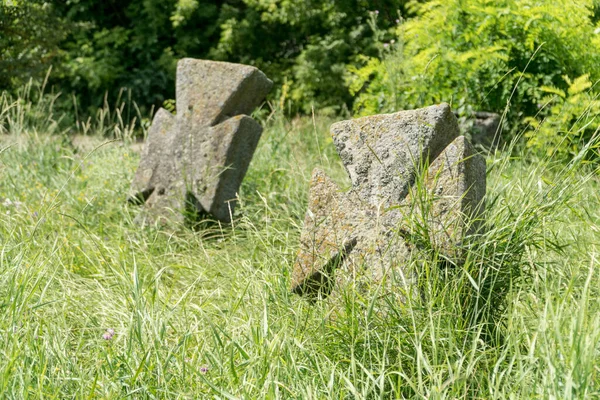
(363, 231)
(194, 162)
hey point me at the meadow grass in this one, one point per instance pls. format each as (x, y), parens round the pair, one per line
(210, 314)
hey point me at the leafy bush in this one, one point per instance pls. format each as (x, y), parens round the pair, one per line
(306, 44)
(572, 121)
(132, 44)
(104, 46)
(30, 32)
(481, 55)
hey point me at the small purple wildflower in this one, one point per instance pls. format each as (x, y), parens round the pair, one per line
(203, 369)
(108, 335)
(35, 214)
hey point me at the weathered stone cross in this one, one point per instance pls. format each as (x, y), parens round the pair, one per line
(194, 162)
(362, 230)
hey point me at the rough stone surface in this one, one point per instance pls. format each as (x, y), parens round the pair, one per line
(382, 152)
(340, 228)
(450, 205)
(364, 228)
(194, 162)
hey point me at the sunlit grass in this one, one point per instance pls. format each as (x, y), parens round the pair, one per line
(211, 316)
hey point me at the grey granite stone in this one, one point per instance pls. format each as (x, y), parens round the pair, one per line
(381, 152)
(364, 231)
(483, 129)
(193, 163)
(451, 204)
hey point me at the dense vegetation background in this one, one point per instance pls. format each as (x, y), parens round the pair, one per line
(97, 47)
(532, 59)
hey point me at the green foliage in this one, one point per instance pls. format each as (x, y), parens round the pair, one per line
(31, 111)
(104, 46)
(571, 123)
(30, 33)
(132, 44)
(482, 55)
(307, 43)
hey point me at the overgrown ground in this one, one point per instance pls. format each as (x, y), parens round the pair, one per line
(210, 315)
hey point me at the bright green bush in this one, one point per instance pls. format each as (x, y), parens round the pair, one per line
(572, 120)
(482, 55)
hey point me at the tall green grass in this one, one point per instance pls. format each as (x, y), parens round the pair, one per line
(212, 316)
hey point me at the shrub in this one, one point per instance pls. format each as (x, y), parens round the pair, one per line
(306, 43)
(571, 122)
(132, 44)
(104, 46)
(30, 32)
(481, 55)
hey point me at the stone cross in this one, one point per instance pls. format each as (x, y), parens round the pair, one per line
(193, 163)
(363, 230)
